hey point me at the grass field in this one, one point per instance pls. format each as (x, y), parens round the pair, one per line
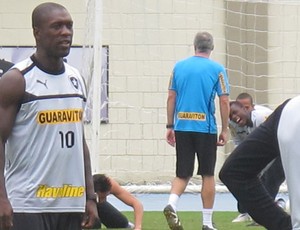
(192, 221)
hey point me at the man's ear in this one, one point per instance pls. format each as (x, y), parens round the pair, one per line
(36, 31)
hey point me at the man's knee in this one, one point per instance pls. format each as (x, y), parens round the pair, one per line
(224, 175)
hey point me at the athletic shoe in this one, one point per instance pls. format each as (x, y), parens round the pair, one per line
(172, 218)
(281, 203)
(287, 206)
(253, 224)
(130, 225)
(243, 217)
(205, 227)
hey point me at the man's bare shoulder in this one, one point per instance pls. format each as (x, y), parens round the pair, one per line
(12, 85)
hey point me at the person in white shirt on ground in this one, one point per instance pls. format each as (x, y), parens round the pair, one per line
(278, 136)
(244, 118)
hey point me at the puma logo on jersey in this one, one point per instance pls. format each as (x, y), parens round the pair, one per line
(43, 83)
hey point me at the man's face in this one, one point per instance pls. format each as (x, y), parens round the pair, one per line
(246, 102)
(55, 33)
(239, 115)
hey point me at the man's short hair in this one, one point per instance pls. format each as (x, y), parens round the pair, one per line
(102, 183)
(242, 96)
(237, 103)
(39, 12)
(203, 42)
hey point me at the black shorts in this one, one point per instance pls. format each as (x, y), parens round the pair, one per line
(189, 144)
(47, 221)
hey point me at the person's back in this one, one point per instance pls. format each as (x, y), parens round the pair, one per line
(259, 115)
(261, 107)
(191, 124)
(196, 80)
(108, 214)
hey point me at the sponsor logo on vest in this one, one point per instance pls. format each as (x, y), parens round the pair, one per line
(191, 116)
(45, 191)
(59, 116)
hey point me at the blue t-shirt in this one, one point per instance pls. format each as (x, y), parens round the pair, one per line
(196, 81)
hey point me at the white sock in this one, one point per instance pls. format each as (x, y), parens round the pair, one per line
(173, 199)
(207, 217)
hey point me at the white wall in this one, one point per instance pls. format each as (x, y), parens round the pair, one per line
(145, 39)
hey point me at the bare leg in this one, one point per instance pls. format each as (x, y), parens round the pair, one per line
(208, 199)
(179, 185)
(208, 191)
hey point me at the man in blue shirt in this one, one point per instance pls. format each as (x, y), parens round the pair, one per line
(191, 124)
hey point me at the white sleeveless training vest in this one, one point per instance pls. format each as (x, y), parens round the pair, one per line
(44, 153)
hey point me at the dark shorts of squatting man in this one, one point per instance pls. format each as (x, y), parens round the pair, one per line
(191, 144)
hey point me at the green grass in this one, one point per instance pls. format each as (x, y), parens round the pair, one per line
(192, 221)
